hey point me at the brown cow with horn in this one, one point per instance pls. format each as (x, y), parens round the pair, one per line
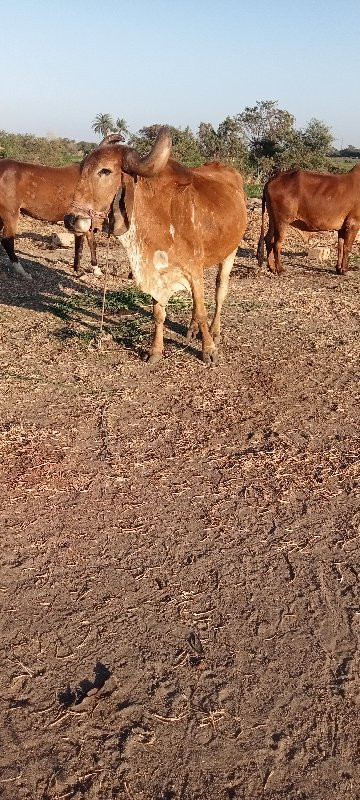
(174, 222)
(43, 193)
(310, 201)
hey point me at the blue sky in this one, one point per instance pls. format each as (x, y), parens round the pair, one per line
(177, 62)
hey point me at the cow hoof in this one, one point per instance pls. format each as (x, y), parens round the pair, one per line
(19, 270)
(210, 359)
(192, 333)
(340, 271)
(153, 358)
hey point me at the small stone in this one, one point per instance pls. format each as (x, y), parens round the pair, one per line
(62, 239)
(320, 253)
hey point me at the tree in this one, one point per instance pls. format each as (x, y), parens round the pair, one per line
(121, 127)
(224, 144)
(185, 147)
(103, 124)
(317, 138)
(267, 130)
(308, 148)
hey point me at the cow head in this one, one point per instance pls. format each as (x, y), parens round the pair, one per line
(109, 172)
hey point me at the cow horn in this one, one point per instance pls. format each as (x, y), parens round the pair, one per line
(154, 162)
(112, 138)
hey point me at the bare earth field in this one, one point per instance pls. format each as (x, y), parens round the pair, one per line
(180, 562)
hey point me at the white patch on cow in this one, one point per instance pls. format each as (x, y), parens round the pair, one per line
(193, 214)
(160, 260)
(83, 224)
(19, 270)
(152, 273)
(97, 272)
(172, 230)
(131, 244)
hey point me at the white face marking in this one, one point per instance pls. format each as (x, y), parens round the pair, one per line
(193, 214)
(172, 230)
(160, 259)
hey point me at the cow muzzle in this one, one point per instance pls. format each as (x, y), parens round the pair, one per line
(77, 224)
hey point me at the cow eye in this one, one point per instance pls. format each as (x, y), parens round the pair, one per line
(104, 171)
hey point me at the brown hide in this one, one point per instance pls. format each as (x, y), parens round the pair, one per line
(177, 222)
(41, 192)
(311, 201)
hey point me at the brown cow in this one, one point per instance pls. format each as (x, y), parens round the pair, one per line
(174, 222)
(42, 193)
(310, 201)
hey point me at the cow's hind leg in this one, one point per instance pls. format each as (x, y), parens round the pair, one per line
(269, 243)
(351, 230)
(341, 235)
(209, 351)
(279, 236)
(222, 286)
(157, 344)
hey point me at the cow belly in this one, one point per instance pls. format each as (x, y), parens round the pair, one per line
(151, 271)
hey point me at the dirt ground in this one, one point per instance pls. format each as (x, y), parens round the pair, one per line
(180, 562)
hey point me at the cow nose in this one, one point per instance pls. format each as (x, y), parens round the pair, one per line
(69, 221)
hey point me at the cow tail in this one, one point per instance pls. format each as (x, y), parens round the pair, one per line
(260, 247)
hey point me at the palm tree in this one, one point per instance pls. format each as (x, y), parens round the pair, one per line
(121, 127)
(103, 124)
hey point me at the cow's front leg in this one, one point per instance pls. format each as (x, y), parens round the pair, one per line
(157, 344)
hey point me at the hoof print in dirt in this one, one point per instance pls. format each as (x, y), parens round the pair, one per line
(196, 651)
(85, 696)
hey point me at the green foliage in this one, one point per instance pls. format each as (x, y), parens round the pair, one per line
(103, 124)
(121, 127)
(257, 141)
(253, 189)
(226, 144)
(274, 142)
(185, 147)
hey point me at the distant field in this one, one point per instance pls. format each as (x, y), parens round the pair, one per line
(344, 164)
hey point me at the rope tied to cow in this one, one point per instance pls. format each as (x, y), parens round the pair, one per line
(87, 212)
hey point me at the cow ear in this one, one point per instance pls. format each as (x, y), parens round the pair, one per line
(122, 207)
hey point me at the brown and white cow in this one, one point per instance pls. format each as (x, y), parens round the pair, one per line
(174, 222)
(310, 201)
(43, 193)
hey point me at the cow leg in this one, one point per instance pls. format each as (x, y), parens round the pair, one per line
(222, 286)
(209, 351)
(341, 235)
(157, 344)
(79, 244)
(8, 236)
(269, 243)
(92, 247)
(349, 238)
(280, 233)
(192, 330)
